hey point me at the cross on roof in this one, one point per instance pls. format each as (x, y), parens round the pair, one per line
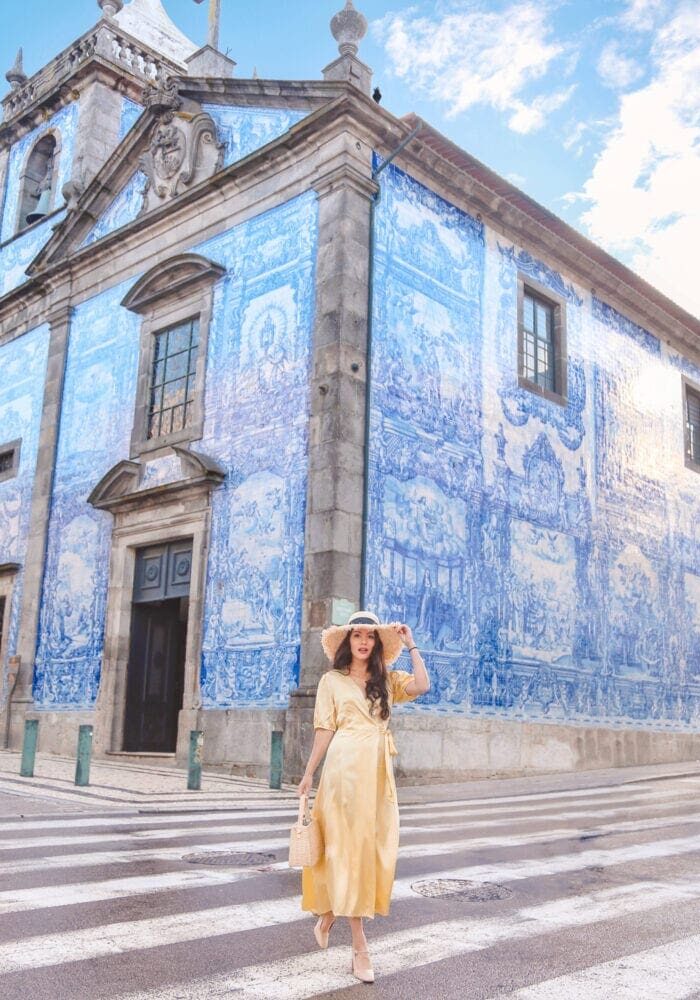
(214, 22)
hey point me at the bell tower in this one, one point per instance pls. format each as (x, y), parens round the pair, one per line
(61, 124)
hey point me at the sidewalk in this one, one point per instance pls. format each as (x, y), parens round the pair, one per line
(150, 787)
(124, 785)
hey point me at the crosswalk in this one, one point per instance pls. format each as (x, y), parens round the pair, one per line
(598, 897)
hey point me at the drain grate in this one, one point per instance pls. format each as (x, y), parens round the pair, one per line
(459, 888)
(238, 859)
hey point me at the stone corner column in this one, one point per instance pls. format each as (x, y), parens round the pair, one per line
(335, 488)
(33, 572)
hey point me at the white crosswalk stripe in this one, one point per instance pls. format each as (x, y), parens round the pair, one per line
(542, 837)
(407, 850)
(310, 975)
(671, 971)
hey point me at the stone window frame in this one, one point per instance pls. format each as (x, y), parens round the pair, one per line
(19, 226)
(8, 576)
(558, 305)
(177, 290)
(688, 386)
(15, 447)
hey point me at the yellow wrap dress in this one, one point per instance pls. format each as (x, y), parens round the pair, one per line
(356, 804)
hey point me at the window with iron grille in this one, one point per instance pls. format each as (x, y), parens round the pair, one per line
(692, 425)
(172, 388)
(541, 341)
(538, 341)
(9, 459)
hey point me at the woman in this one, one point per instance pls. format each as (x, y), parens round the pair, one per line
(356, 803)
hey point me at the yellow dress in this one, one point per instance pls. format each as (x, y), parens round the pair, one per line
(356, 803)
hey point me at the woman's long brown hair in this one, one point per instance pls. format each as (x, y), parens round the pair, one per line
(376, 684)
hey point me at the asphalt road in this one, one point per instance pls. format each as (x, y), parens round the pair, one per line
(591, 893)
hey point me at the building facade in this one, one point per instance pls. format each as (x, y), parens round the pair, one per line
(269, 354)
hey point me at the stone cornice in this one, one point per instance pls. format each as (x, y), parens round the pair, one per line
(345, 175)
(305, 137)
(354, 114)
(545, 236)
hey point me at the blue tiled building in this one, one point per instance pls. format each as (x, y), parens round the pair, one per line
(257, 370)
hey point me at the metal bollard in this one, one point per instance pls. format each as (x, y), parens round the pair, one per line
(82, 765)
(31, 735)
(194, 767)
(276, 759)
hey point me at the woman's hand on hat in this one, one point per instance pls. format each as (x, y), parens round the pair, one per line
(405, 633)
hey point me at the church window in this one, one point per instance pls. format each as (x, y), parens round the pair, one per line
(174, 301)
(173, 372)
(37, 183)
(541, 341)
(9, 460)
(692, 425)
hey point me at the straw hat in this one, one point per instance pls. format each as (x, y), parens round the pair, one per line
(392, 642)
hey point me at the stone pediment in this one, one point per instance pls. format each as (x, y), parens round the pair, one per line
(172, 147)
(183, 137)
(141, 481)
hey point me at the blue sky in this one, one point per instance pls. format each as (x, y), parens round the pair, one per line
(591, 107)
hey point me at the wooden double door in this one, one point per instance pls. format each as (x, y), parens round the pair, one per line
(156, 667)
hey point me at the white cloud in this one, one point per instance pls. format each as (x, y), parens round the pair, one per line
(617, 70)
(643, 196)
(642, 15)
(472, 56)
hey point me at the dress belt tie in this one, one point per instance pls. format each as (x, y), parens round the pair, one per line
(389, 752)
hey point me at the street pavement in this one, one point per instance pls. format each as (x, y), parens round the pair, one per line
(583, 886)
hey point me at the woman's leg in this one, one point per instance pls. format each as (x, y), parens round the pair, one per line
(326, 920)
(359, 941)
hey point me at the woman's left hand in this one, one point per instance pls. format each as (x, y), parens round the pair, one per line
(405, 633)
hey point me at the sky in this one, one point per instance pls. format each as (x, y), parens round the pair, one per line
(590, 107)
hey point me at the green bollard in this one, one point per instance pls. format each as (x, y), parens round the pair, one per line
(82, 766)
(276, 759)
(31, 734)
(194, 768)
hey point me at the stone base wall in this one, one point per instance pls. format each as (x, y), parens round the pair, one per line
(440, 749)
(238, 740)
(459, 749)
(58, 731)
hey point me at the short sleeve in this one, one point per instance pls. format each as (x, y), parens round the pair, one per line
(400, 679)
(325, 716)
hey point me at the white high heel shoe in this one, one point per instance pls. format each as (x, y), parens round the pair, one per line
(321, 935)
(364, 975)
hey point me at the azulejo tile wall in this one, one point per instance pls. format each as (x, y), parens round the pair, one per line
(256, 414)
(17, 255)
(122, 210)
(22, 376)
(256, 426)
(63, 122)
(243, 130)
(129, 114)
(547, 556)
(95, 430)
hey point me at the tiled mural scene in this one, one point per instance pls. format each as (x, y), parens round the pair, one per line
(531, 498)
(541, 552)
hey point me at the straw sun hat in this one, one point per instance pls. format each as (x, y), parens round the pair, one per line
(392, 642)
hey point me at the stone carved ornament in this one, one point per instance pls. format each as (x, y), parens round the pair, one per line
(184, 147)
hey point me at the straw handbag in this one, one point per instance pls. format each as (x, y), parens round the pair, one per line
(305, 841)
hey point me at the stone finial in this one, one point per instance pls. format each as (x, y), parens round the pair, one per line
(348, 27)
(16, 76)
(162, 97)
(110, 7)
